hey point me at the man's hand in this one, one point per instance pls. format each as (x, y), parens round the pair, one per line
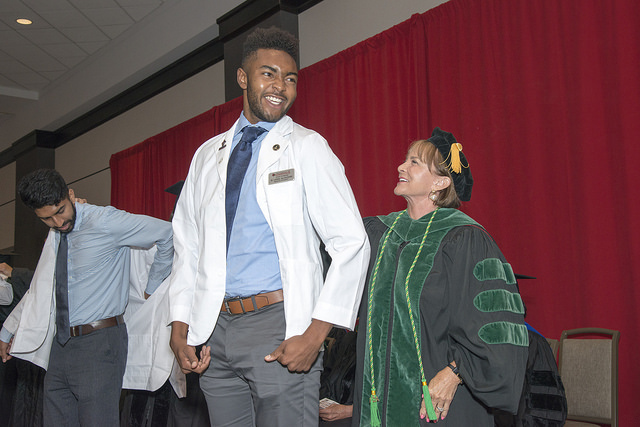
(186, 354)
(5, 269)
(299, 352)
(5, 348)
(336, 412)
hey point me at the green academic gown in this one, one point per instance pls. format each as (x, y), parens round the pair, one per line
(466, 308)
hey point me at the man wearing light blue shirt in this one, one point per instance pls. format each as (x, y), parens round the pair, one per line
(247, 278)
(87, 364)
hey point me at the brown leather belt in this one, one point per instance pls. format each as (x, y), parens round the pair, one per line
(78, 331)
(252, 303)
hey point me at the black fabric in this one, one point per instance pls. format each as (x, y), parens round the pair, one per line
(463, 181)
(543, 401)
(336, 381)
(20, 280)
(20, 381)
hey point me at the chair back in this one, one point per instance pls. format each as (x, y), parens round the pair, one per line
(554, 344)
(589, 371)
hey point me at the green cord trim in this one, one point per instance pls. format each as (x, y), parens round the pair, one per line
(494, 269)
(504, 333)
(498, 300)
(426, 396)
(374, 398)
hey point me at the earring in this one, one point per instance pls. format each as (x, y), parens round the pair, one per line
(433, 195)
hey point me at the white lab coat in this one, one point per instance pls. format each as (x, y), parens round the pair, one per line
(149, 360)
(316, 205)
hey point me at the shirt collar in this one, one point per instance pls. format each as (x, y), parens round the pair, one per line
(79, 216)
(243, 122)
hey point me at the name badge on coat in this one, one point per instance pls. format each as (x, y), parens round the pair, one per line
(282, 176)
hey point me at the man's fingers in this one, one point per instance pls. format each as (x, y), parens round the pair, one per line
(275, 355)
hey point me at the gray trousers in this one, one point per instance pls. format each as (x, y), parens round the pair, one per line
(242, 390)
(83, 383)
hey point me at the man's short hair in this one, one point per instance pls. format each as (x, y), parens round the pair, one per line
(43, 187)
(270, 38)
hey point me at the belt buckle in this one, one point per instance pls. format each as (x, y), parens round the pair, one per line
(226, 306)
(228, 309)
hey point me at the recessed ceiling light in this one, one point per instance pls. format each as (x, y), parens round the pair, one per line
(24, 21)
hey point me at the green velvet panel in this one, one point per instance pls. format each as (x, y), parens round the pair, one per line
(504, 333)
(498, 300)
(494, 269)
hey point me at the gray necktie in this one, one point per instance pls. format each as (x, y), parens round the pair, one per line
(62, 292)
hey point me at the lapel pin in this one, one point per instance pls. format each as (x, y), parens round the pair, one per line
(224, 144)
(276, 147)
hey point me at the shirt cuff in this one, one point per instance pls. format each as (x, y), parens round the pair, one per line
(5, 336)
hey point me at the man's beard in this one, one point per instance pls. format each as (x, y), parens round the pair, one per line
(72, 221)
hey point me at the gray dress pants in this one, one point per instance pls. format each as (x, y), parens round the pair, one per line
(84, 379)
(242, 390)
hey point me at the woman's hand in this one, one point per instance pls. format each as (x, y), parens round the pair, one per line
(442, 389)
(336, 412)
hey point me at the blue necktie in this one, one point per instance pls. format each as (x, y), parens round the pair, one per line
(236, 169)
(62, 292)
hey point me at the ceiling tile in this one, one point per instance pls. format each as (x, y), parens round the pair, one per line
(63, 50)
(43, 5)
(114, 31)
(52, 75)
(108, 16)
(10, 20)
(92, 47)
(65, 18)
(44, 36)
(29, 80)
(12, 67)
(71, 61)
(139, 12)
(127, 3)
(12, 38)
(13, 6)
(84, 34)
(34, 57)
(93, 4)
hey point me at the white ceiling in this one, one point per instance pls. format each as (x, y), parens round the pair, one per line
(78, 53)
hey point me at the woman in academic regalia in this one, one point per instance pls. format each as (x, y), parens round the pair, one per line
(445, 337)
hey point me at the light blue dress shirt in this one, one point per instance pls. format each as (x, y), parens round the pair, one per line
(252, 260)
(99, 260)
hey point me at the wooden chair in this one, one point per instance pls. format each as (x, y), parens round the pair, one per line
(589, 370)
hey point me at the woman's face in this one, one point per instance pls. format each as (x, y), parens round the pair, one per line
(415, 181)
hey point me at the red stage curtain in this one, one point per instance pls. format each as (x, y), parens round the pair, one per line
(140, 174)
(543, 95)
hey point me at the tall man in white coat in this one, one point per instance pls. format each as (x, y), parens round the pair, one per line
(247, 279)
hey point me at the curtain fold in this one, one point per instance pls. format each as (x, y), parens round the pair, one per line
(543, 95)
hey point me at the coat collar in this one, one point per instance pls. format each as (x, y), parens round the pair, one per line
(272, 147)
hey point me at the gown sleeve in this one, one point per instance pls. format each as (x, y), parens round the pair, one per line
(486, 335)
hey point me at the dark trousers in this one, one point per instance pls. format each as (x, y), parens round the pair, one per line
(242, 390)
(83, 383)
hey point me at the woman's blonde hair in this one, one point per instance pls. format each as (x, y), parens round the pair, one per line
(429, 155)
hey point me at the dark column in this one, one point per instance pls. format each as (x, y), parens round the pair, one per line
(34, 151)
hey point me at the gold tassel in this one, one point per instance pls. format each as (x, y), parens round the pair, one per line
(456, 165)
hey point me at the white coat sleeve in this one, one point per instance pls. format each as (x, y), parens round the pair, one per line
(336, 218)
(186, 241)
